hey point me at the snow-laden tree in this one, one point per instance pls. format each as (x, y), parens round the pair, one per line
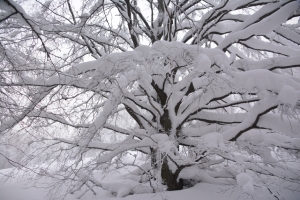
(209, 90)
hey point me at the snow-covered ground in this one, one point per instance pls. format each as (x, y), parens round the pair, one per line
(22, 189)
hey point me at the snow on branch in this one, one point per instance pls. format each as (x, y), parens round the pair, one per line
(263, 27)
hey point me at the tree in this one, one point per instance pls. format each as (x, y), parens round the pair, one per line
(209, 90)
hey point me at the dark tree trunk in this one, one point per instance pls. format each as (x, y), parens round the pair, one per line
(166, 122)
(170, 178)
(154, 161)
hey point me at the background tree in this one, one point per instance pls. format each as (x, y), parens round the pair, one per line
(208, 89)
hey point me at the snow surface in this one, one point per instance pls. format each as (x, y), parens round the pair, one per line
(20, 189)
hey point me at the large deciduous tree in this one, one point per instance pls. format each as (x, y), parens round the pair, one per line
(208, 89)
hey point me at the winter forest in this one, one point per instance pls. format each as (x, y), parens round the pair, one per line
(165, 96)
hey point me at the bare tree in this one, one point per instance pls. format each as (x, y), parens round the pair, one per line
(209, 89)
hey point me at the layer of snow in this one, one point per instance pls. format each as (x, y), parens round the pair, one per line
(246, 182)
(203, 63)
(213, 140)
(288, 95)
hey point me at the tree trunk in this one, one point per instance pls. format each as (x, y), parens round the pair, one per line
(169, 178)
(154, 160)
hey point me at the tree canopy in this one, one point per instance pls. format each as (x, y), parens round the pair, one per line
(209, 90)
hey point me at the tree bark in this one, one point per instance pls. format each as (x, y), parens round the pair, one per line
(154, 160)
(169, 178)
